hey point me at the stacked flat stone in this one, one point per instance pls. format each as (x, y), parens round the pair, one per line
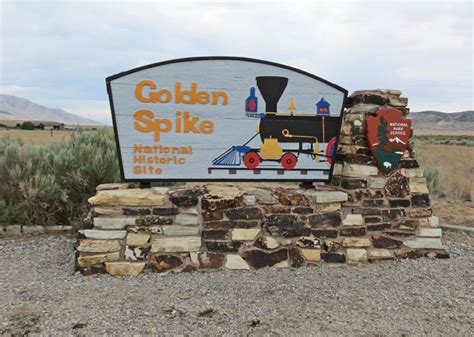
(362, 216)
(398, 204)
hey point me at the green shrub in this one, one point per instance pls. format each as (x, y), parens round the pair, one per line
(432, 178)
(464, 140)
(50, 185)
(26, 125)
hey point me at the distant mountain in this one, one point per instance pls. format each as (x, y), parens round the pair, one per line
(442, 121)
(5, 115)
(437, 116)
(12, 107)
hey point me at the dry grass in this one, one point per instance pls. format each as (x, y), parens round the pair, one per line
(41, 137)
(455, 165)
(453, 198)
(461, 140)
(455, 213)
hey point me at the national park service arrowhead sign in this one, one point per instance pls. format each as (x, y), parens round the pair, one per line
(388, 134)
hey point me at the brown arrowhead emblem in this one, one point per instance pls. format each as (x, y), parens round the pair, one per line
(388, 134)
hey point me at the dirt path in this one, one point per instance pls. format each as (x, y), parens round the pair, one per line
(41, 293)
(454, 212)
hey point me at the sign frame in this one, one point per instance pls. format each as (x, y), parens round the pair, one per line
(109, 79)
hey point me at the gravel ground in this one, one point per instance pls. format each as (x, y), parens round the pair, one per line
(41, 293)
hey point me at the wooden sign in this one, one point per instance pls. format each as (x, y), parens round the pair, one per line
(224, 118)
(388, 134)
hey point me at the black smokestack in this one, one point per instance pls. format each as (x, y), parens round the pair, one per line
(271, 88)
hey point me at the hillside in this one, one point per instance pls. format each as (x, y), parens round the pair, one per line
(5, 115)
(12, 107)
(442, 121)
(437, 116)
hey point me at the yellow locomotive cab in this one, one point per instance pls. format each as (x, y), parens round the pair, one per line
(271, 149)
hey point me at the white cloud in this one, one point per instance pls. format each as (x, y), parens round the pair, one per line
(60, 52)
(13, 89)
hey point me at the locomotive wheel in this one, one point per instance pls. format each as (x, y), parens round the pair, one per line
(288, 161)
(330, 150)
(252, 160)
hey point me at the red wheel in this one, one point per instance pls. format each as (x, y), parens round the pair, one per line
(330, 150)
(252, 160)
(288, 161)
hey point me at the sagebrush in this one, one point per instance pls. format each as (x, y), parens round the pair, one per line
(50, 184)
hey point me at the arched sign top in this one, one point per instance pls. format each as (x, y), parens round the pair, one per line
(225, 119)
(233, 58)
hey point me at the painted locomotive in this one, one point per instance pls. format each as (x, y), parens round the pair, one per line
(284, 136)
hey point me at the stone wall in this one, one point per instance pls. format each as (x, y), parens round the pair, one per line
(362, 216)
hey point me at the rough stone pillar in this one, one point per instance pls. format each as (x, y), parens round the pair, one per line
(397, 204)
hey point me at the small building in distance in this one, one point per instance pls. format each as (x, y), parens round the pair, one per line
(48, 125)
(72, 127)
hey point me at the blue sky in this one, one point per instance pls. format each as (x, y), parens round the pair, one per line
(59, 53)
